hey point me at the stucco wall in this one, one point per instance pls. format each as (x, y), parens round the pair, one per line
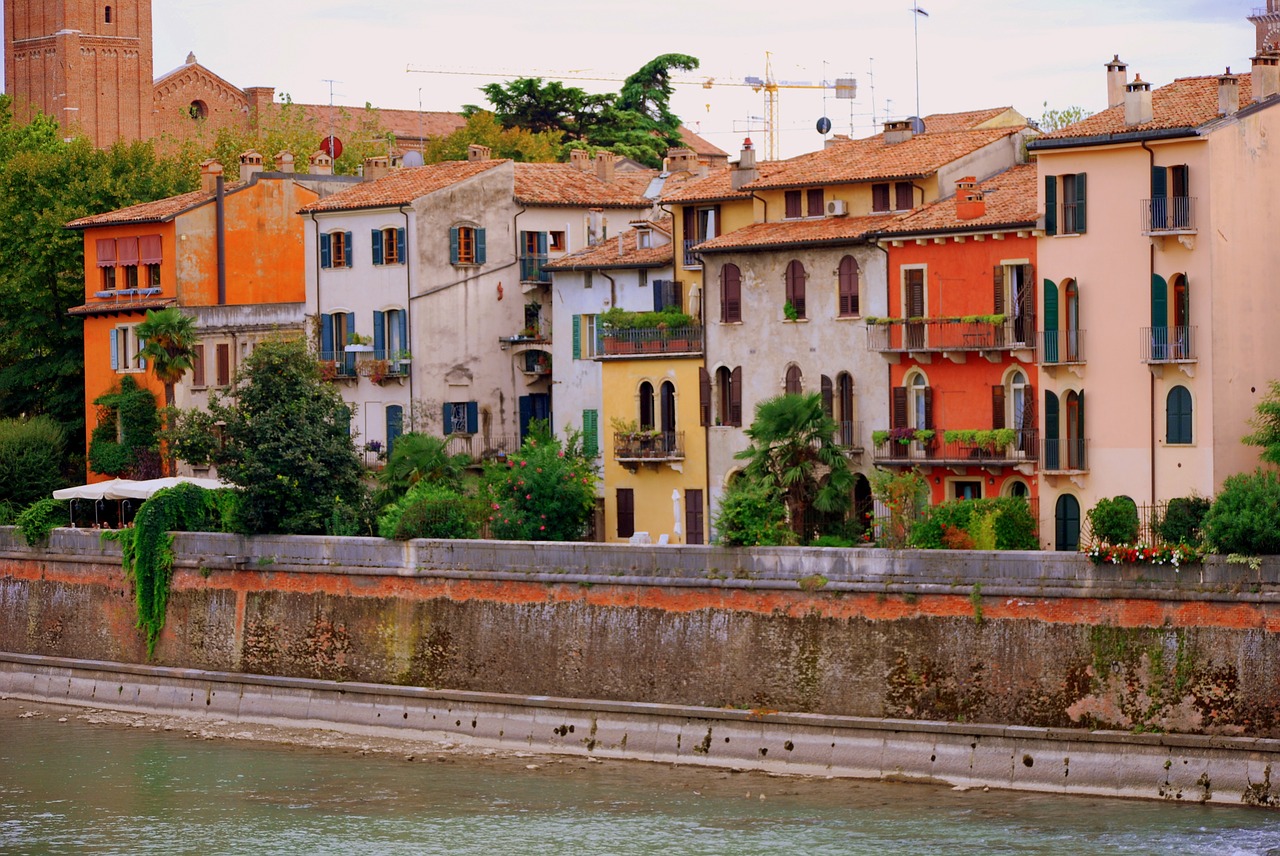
(1047, 640)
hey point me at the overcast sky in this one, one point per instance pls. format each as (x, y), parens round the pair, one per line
(973, 53)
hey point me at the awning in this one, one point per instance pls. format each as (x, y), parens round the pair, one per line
(131, 489)
(87, 491)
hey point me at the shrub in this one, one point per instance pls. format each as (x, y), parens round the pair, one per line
(128, 426)
(31, 456)
(906, 496)
(429, 510)
(8, 513)
(1114, 521)
(831, 541)
(752, 514)
(40, 518)
(999, 523)
(955, 539)
(1245, 517)
(1182, 520)
(544, 492)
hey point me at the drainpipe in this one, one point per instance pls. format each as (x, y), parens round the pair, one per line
(408, 295)
(1151, 273)
(220, 207)
(613, 290)
(316, 224)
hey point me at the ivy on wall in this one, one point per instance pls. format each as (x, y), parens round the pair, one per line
(125, 442)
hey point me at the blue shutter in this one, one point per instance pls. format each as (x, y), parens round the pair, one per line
(403, 320)
(351, 251)
(351, 328)
(577, 337)
(448, 418)
(542, 243)
(379, 335)
(377, 246)
(326, 252)
(142, 362)
(480, 246)
(1080, 203)
(326, 337)
(525, 406)
(1051, 205)
(658, 288)
(401, 246)
(473, 417)
(115, 349)
(395, 426)
(453, 245)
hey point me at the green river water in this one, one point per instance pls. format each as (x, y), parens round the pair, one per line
(77, 786)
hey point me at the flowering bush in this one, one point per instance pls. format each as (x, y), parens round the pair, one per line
(1116, 554)
(541, 493)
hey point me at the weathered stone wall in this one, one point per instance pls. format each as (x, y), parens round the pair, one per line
(1037, 639)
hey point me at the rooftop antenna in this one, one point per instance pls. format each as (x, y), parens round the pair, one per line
(871, 81)
(422, 134)
(916, 12)
(331, 83)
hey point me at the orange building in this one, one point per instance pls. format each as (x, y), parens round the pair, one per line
(960, 341)
(230, 254)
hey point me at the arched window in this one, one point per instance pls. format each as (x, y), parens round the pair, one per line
(848, 277)
(730, 294)
(198, 110)
(646, 406)
(1066, 523)
(846, 414)
(1180, 335)
(1178, 416)
(107, 16)
(667, 409)
(1013, 406)
(1072, 295)
(1016, 487)
(729, 389)
(920, 402)
(796, 277)
(794, 384)
(1075, 431)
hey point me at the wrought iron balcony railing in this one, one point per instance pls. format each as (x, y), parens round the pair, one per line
(692, 259)
(1060, 347)
(954, 334)
(937, 451)
(1168, 344)
(531, 268)
(1065, 456)
(650, 446)
(481, 447)
(651, 341)
(1169, 215)
(849, 435)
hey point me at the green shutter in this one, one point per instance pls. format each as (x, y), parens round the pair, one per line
(590, 433)
(1051, 205)
(577, 337)
(453, 245)
(377, 246)
(1080, 203)
(1050, 321)
(480, 252)
(1052, 449)
(395, 426)
(1159, 317)
(351, 250)
(379, 335)
(473, 417)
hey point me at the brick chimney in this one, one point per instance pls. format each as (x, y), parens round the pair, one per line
(210, 172)
(284, 162)
(580, 159)
(1228, 93)
(744, 171)
(261, 98)
(1266, 75)
(321, 164)
(681, 159)
(605, 164)
(1117, 79)
(898, 131)
(477, 153)
(970, 201)
(250, 165)
(1137, 102)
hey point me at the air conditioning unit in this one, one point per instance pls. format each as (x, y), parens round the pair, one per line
(837, 208)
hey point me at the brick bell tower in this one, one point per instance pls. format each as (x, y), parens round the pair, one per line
(1267, 22)
(87, 63)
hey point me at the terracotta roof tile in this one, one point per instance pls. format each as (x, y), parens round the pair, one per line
(117, 307)
(716, 186)
(768, 236)
(1010, 199)
(936, 123)
(405, 124)
(402, 186)
(1188, 102)
(623, 251)
(708, 150)
(562, 184)
(152, 212)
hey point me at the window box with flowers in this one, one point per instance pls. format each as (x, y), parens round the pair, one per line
(1175, 555)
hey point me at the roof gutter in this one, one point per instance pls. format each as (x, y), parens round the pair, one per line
(1107, 139)
(987, 228)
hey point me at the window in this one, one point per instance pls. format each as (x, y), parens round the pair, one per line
(729, 399)
(198, 110)
(730, 294)
(222, 355)
(466, 245)
(197, 366)
(1075, 430)
(880, 197)
(667, 408)
(695, 531)
(642, 278)
(913, 286)
(846, 411)
(793, 204)
(1066, 524)
(533, 255)
(966, 489)
(667, 295)
(108, 278)
(904, 196)
(395, 426)
(107, 15)
(815, 202)
(847, 275)
(587, 279)
(1013, 406)
(794, 383)
(1064, 204)
(795, 278)
(646, 406)
(1178, 416)
(335, 332)
(390, 334)
(912, 404)
(461, 417)
(591, 433)
(388, 246)
(125, 347)
(151, 276)
(335, 250)
(149, 256)
(1170, 198)
(131, 276)
(626, 501)
(803, 203)
(644, 239)
(556, 242)
(1013, 288)
(586, 337)
(699, 224)
(127, 257)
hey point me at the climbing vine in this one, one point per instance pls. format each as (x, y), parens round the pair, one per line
(147, 549)
(124, 443)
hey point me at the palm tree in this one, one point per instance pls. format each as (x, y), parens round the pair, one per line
(170, 350)
(419, 457)
(793, 449)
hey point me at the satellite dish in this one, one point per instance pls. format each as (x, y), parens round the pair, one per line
(331, 146)
(824, 125)
(411, 158)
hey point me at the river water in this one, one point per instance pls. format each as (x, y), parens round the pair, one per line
(78, 782)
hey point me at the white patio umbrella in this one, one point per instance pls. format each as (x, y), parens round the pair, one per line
(145, 489)
(675, 503)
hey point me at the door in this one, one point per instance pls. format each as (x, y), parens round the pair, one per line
(536, 406)
(1066, 524)
(915, 309)
(1052, 450)
(693, 517)
(1049, 353)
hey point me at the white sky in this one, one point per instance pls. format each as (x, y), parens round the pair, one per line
(973, 53)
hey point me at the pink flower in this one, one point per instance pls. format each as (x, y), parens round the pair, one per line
(541, 528)
(495, 506)
(524, 463)
(528, 496)
(560, 454)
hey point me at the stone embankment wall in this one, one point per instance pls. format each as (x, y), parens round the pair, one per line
(1023, 639)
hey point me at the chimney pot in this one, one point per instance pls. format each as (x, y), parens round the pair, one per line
(971, 203)
(1117, 79)
(898, 131)
(1137, 102)
(1266, 75)
(605, 163)
(321, 164)
(210, 172)
(580, 159)
(284, 161)
(250, 165)
(477, 153)
(744, 171)
(1228, 93)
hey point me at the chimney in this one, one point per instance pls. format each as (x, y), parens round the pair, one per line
(580, 159)
(477, 153)
(605, 163)
(284, 162)
(210, 172)
(745, 170)
(1266, 75)
(681, 159)
(835, 140)
(377, 166)
(261, 98)
(321, 164)
(898, 132)
(1228, 93)
(250, 165)
(970, 201)
(1137, 102)
(1117, 79)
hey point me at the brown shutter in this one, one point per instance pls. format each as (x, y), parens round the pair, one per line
(997, 406)
(906, 196)
(224, 365)
(1029, 408)
(915, 293)
(704, 395)
(928, 407)
(898, 418)
(715, 230)
(690, 230)
(815, 202)
(730, 294)
(693, 517)
(197, 365)
(997, 284)
(793, 209)
(1028, 290)
(880, 197)
(828, 396)
(626, 512)
(735, 397)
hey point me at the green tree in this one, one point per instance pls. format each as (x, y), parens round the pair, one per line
(1245, 516)
(1053, 120)
(752, 514)
(31, 452)
(543, 107)
(286, 443)
(1266, 425)
(544, 492)
(483, 128)
(170, 351)
(793, 450)
(420, 458)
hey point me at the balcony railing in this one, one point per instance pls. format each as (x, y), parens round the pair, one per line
(954, 334)
(531, 268)
(955, 453)
(480, 447)
(651, 341)
(338, 364)
(1065, 456)
(536, 363)
(849, 435)
(1060, 347)
(650, 446)
(1168, 344)
(1169, 214)
(691, 259)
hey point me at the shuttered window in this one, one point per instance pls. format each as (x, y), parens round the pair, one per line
(222, 377)
(794, 204)
(591, 433)
(814, 200)
(828, 396)
(626, 512)
(1178, 416)
(693, 517)
(735, 397)
(730, 294)
(794, 384)
(466, 245)
(795, 279)
(847, 276)
(197, 366)
(880, 197)
(905, 196)
(704, 396)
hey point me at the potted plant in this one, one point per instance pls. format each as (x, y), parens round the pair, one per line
(358, 344)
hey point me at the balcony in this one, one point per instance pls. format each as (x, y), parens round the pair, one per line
(649, 447)
(1169, 215)
(338, 365)
(479, 447)
(650, 342)
(988, 448)
(849, 436)
(1060, 347)
(691, 259)
(953, 337)
(531, 268)
(1168, 345)
(528, 339)
(1065, 456)
(536, 364)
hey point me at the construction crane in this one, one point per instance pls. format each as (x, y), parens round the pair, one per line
(766, 84)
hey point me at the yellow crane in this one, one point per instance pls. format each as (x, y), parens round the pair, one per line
(766, 84)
